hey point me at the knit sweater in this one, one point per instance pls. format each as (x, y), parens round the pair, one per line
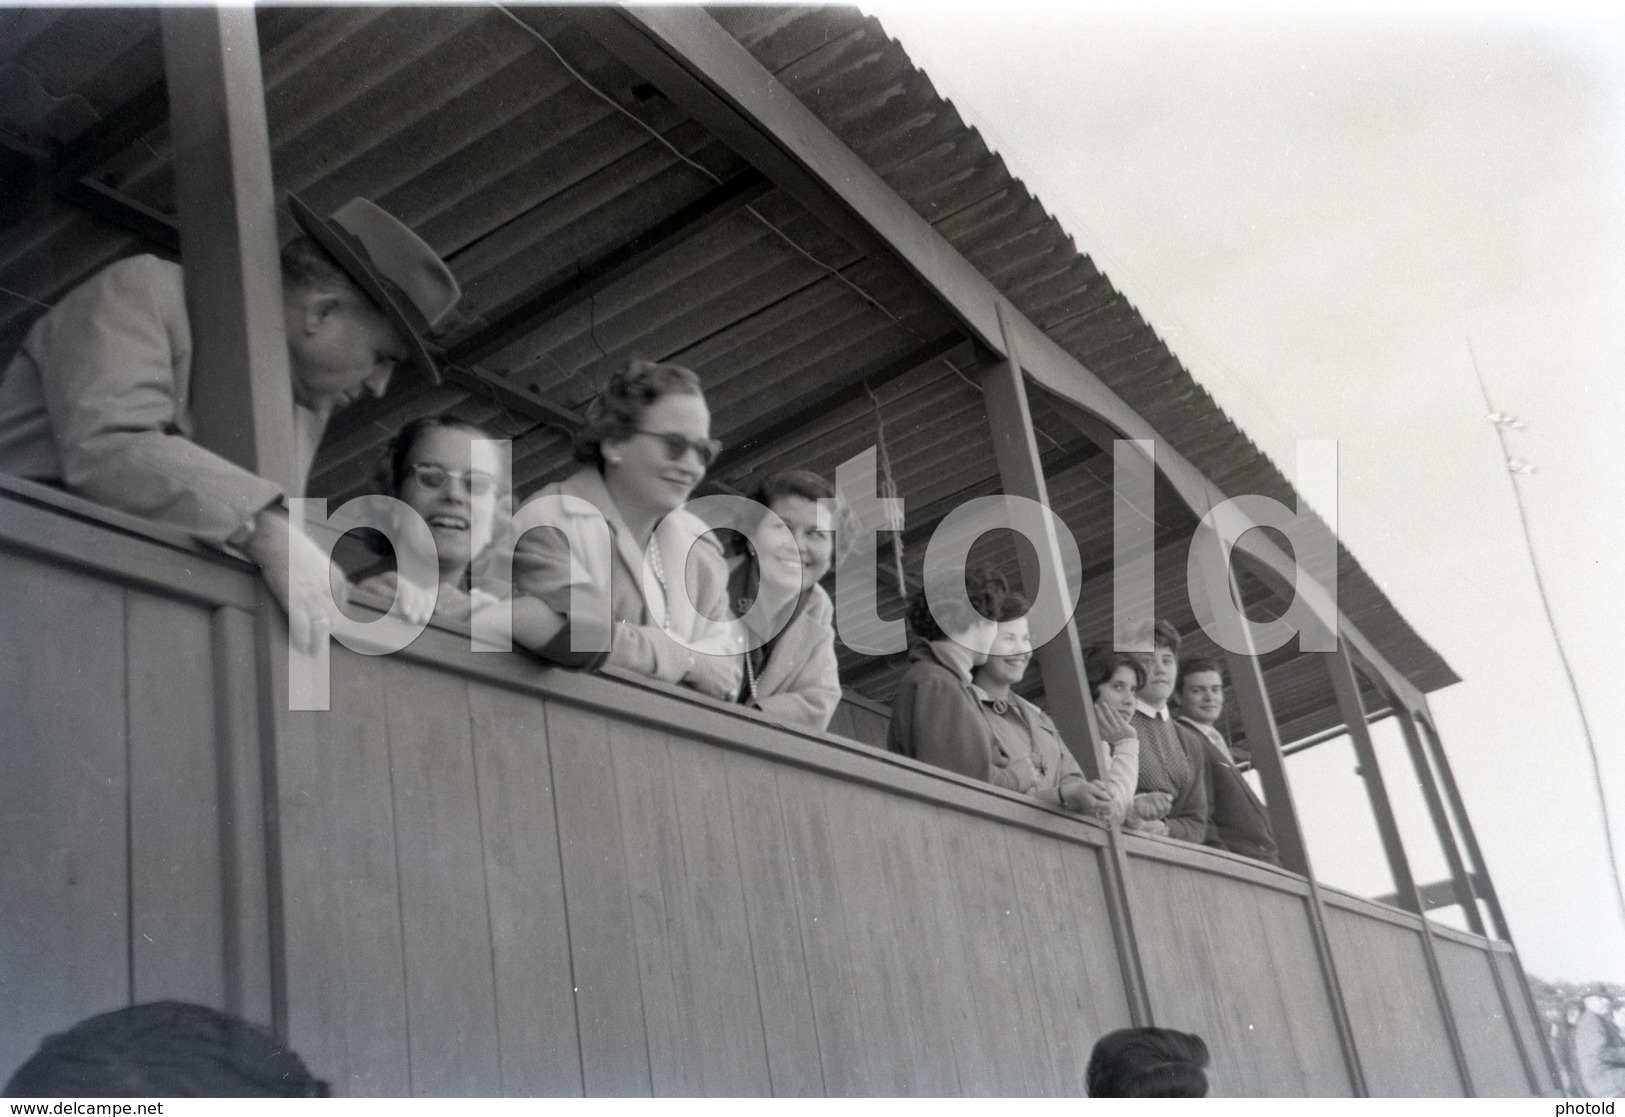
(1173, 760)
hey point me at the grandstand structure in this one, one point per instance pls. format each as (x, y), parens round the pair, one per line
(476, 874)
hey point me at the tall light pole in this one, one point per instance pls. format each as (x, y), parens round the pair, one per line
(1518, 467)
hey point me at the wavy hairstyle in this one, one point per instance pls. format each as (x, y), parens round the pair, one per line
(616, 411)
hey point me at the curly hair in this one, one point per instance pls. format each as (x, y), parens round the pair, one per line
(1148, 1063)
(616, 412)
(986, 591)
(390, 474)
(1100, 664)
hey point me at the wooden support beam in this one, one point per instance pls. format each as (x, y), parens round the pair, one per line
(1434, 895)
(794, 415)
(1052, 462)
(242, 395)
(1346, 685)
(1458, 807)
(528, 312)
(1060, 660)
(1264, 742)
(1463, 884)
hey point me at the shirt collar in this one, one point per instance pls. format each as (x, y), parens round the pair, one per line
(1154, 715)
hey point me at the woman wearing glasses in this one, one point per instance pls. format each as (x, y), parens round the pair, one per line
(434, 467)
(646, 443)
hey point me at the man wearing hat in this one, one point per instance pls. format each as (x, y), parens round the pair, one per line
(97, 399)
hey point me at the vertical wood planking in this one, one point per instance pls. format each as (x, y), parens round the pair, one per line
(598, 904)
(64, 915)
(767, 873)
(245, 853)
(1397, 1019)
(843, 1047)
(702, 1013)
(1228, 960)
(885, 954)
(347, 1008)
(530, 943)
(1534, 1037)
(1080, 988)
(445, 924)
(986, 912)
(177, 934)
(1487, 1036)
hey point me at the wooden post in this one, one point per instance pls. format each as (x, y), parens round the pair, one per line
(1060, 660)
(1486, 886)
(1264, 741)
(242, 409)
(1346, 685)
(1461, 882)
(1347, 689)
(241, 395)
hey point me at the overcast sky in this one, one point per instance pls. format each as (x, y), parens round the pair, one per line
(1316, 210)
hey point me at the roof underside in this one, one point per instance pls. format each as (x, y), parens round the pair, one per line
(588, 220)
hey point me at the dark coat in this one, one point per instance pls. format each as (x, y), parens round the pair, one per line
(936, 717)
(1238, 820)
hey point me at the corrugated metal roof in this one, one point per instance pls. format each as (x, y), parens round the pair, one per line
(528, 155)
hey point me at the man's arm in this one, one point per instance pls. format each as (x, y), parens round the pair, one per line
(1187, 817)
(111, 359)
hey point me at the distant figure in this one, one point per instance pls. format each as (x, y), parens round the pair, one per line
(793, 677)
(1598, 1049)
(1148, 1063)
(164, 1049)
(1238, 823)
(1173, 786)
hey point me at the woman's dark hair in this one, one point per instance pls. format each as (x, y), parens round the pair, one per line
(1100, 664)
(986, 591)
(164, 1049)
(1012, 607)
(1148, 1063)
(793, 482)
(391, 472)
(618, 409)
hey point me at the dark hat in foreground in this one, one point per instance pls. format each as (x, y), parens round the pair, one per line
(164, 1049)
(392, 264)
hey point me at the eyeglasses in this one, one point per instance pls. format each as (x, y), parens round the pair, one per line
(676, 446)
(433, 477)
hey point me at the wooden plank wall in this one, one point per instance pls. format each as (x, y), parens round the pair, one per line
(1495, 1058)
(112, 836)
(722, 924)
(1398, 1024)
(1234, 961)
(501, 879)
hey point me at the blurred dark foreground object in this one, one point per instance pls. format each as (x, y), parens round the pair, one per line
(165, 1049)
(1148, 1063)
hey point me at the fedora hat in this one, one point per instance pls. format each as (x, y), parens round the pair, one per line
(392, 264)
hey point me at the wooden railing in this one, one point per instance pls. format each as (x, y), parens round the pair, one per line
(478, 875)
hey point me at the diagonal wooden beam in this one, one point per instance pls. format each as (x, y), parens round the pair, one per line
(525, 314)
(794, 415)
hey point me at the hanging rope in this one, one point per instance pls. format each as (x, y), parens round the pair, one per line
(888, 491)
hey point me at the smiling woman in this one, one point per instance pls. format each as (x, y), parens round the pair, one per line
(449, 473)
(644, 447)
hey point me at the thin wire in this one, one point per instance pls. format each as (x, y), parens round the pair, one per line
(1557, 639)
(707, 172)
(23, 297)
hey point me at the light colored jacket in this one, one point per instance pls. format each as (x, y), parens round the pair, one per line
(98, 400)
(542, 568)
(800, 683)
